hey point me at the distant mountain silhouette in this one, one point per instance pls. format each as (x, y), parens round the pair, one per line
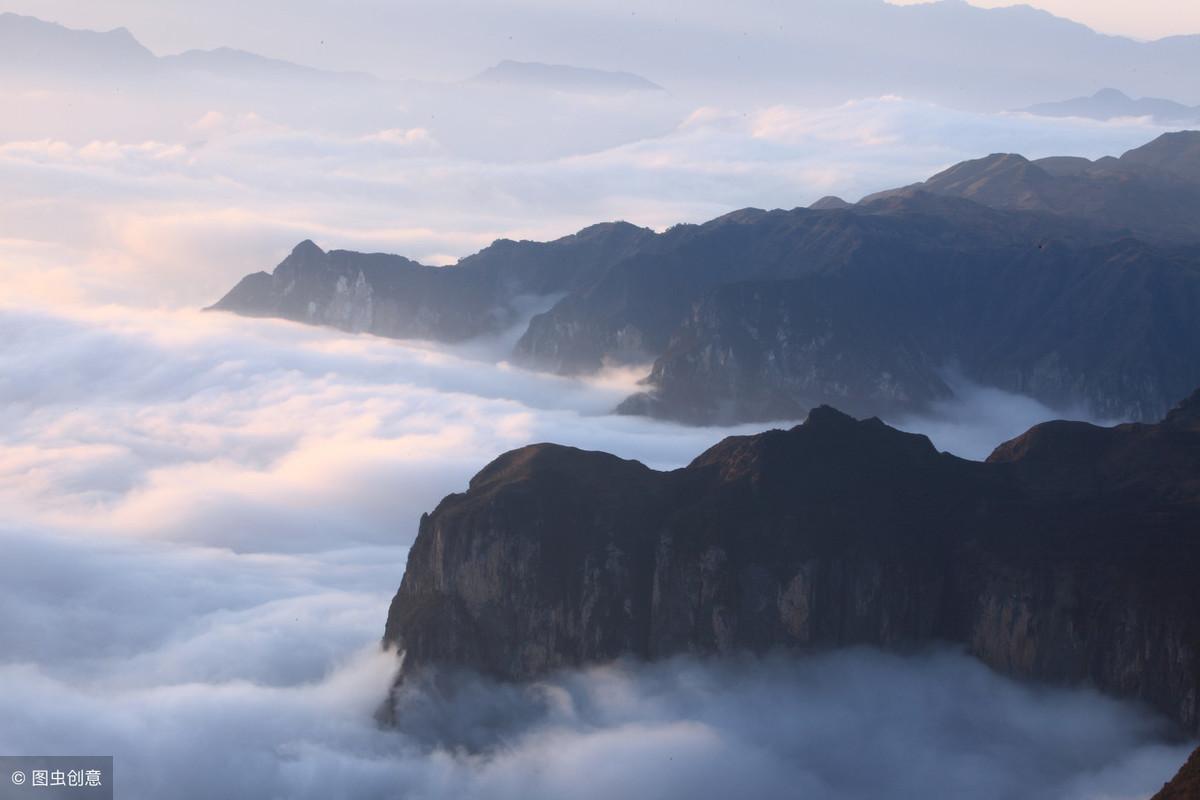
(1109, 104)
(563, 78)
(243, 65)
(1072, 281)
(513, 112)
(30, 46)
(969, 57)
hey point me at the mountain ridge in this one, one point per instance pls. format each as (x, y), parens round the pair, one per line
(1107, 104)
(993, 266)
(1058, 559)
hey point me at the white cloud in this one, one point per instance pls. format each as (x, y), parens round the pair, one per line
(177, 222)
(204, 518)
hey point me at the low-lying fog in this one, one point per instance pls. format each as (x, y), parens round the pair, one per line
(204, 518)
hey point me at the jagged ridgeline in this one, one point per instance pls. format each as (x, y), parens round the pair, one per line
(1070, 556)
(1076, 282)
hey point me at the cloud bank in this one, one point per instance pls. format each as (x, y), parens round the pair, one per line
(176, 217)
(204, 519)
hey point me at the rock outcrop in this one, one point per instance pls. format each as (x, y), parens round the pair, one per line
(1069, 556)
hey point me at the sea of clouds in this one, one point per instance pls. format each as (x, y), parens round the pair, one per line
(175, 214)
(204, 519)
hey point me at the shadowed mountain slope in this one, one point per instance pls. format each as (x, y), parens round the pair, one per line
(1069, 556)
(1072, 281)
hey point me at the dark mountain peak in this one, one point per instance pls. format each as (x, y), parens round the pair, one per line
(1000, 180)
(1111, 95)
(1187, 413)
(742, 216)
(1172, 143)
(603, 229)
(306, 250)
(1049, 440)
(1177, 153)
(546, 462)
(1066, 165)
(979, 175)
(829, 442)
(827, 417)
(829, 203)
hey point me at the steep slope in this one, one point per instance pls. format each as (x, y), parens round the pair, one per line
(1069, 556)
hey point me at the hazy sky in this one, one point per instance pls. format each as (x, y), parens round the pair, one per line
(1149, 19)
(371, 34)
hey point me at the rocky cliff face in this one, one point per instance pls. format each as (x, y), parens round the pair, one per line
(1069, 556)
(1021, 275)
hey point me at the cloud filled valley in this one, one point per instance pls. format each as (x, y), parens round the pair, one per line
(204, 517)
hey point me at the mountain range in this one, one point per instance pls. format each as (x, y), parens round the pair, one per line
(1109, 104)
(108, 86)
(31, 48)
(858, 48)
(564, 77)
(1068, 280)
(1069, 556)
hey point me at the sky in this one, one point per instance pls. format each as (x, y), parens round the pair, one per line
(1152, 19)
(354, 34)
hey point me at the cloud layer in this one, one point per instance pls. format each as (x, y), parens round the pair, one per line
(204, 518)
(175, 217)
